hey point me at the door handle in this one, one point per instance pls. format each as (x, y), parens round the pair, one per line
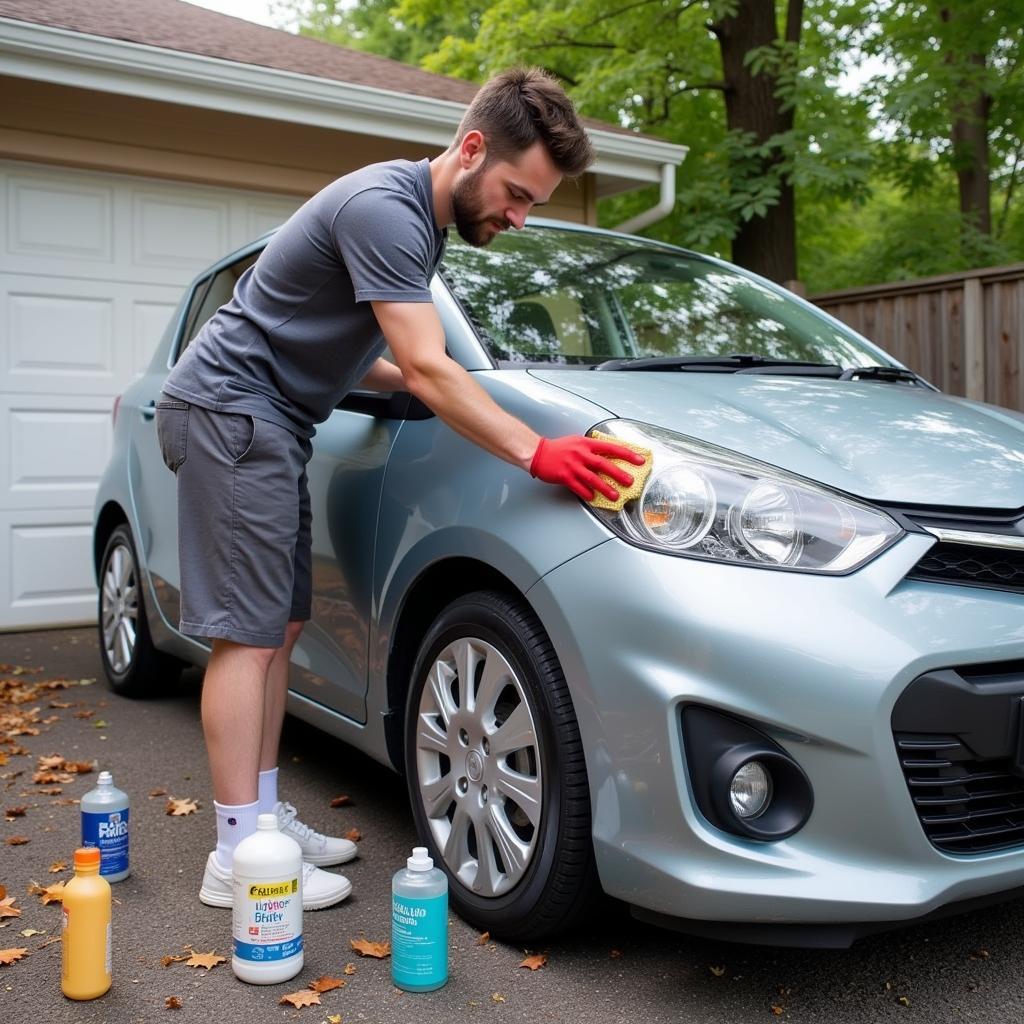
(149, 411)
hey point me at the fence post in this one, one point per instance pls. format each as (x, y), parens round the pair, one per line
(974, 339)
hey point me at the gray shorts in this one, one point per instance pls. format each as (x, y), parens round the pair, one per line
(244, 539)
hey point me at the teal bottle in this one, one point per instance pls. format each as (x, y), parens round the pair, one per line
(419, 925)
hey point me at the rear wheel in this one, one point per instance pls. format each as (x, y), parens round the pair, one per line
(134, 667)
(496, 772)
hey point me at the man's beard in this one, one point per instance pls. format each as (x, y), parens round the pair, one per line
(468, 211)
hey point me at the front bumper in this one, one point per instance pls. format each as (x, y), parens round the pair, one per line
(817, 663)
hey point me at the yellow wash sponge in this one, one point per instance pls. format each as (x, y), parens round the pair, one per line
(639, 474)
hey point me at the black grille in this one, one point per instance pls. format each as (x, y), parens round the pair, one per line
(966, 804)
(967, 564)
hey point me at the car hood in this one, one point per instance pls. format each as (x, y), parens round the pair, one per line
(884, 442)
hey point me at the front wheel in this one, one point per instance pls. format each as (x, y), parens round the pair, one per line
(134, 667)
(495, 767)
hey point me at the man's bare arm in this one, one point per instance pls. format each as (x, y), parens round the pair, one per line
(414, 333)
(383, 376)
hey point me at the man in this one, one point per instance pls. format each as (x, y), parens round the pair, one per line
(348, 274)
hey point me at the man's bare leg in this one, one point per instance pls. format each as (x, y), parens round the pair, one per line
(233, 700)
(274, 698)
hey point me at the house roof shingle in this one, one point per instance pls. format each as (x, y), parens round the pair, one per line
(177, 25)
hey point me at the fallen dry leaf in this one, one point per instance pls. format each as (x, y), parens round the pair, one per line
(80, 767)
(178, 807)
(615, 953)
(100, 723)
(17, 840)
(484, 939)
(157, 792)
(62, 703)
(49, 778)
(58, 865)
(51, 790)
(353, 835)
(334, 1018)
(7, 907)
(172, 1003)
(349, 969)
(207, 960)
(83, 714)
(717, 971)
(379, 950)
(903, 1001)
(535, 962)
(51, 761)
(9, 956)
(48, 942)
(341, 801)
(29, 932)
(304, 997)
(166, 961)
(48, 894)
(778, 1011)
(16, 812)
(497, 997)
(979, 954)
(327, 984)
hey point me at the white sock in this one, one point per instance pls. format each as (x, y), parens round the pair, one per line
(268, 791)
(234, 823)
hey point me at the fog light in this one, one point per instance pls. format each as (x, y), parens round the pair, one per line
(750, 790)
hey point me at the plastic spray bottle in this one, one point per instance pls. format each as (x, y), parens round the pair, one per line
(105, 825)
(85, 942)
(266, 914)
(419, 925)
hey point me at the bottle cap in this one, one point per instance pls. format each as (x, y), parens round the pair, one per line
(420, 860)
(87, 857)
(105, 779)
(267, 822)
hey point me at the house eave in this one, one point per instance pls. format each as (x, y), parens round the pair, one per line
(76, 59)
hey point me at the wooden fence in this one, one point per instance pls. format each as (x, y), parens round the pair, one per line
(964, 332)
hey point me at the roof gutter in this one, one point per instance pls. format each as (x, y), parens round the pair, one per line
(661, 209)
(44, 53)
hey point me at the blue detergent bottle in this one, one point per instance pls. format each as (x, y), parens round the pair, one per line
(105, 824)
(419, 925)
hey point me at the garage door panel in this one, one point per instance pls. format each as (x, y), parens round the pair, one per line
(54, 450)
(149, 320)
(177, 233)
(46, 561)
(54, 217)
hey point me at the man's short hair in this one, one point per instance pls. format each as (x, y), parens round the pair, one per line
(521, 106)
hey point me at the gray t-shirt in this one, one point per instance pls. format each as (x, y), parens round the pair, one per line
(299, 331)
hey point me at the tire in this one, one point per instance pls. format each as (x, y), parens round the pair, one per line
(518, 869)
(134, 667)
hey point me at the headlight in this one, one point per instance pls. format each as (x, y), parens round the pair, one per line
(704, 502)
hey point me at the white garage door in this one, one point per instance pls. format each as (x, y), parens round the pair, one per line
(91, 267)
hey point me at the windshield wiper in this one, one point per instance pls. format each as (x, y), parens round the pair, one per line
(889, 374)
(733, 363)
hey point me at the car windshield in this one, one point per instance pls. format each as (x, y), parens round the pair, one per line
(574, 298)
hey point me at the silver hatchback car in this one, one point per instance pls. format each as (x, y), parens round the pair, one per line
(780, 696)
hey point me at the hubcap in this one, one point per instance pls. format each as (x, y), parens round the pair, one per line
(478, 762)
(119, 609)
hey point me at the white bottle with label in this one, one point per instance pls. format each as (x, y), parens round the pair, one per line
(266, 914)
(105, 825)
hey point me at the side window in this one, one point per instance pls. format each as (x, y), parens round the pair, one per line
(209, 296)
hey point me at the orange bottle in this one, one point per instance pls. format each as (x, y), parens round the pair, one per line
(86, 937)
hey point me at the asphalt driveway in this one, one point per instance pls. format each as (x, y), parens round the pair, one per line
(963, 969)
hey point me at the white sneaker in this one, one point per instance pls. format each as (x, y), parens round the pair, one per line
(316, 848)
(319, 888)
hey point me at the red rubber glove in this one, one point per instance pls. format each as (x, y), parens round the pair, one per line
(576, 461)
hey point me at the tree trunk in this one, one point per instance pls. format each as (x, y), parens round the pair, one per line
(766, 245)
(970, 155)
